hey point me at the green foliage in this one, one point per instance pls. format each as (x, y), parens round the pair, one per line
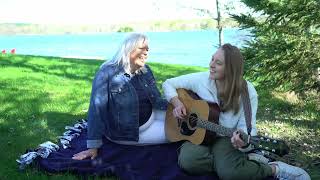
(285, 51)
(125, 29)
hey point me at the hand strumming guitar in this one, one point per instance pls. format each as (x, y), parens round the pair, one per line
(179, 111)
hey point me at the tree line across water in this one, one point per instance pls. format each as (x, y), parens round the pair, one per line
(161, 25)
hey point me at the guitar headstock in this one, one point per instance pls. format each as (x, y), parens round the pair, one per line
(275, 146)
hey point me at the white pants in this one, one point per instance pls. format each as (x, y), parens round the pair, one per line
(152, 132)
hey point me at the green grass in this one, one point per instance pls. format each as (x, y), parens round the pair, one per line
(39, 96)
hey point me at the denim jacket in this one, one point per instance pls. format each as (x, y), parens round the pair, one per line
(114, 108)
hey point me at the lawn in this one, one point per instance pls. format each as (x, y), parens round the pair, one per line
(39, 96)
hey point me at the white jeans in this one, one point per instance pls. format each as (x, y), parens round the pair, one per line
(152, 132)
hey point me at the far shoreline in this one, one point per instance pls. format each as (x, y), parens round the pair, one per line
(147, 26)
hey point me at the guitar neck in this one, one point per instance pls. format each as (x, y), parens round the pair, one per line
(274, 148)
(215, 127)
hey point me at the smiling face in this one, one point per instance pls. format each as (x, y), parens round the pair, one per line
(217, 65)
(139, 55)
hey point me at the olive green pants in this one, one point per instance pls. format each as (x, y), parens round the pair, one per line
(221, 158)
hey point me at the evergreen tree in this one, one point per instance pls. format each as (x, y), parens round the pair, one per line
(285, 50)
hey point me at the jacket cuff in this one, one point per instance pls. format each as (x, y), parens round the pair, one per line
(162, 104)
(94, 144)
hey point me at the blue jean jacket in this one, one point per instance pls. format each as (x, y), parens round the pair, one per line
(114, 108)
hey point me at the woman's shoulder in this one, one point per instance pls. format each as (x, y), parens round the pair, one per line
(109, 69)
(105, 72)
(251, 89)
(145, 69)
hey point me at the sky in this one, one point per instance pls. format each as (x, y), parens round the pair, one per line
(98, 11)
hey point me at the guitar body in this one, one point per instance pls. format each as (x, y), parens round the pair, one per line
(186, 129)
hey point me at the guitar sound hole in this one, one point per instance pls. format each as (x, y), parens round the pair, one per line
(185, 130)
(193, 120)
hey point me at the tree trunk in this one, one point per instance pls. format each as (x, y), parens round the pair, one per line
(219, 24)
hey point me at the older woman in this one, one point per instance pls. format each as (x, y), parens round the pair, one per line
(223, 85)
(125, 107)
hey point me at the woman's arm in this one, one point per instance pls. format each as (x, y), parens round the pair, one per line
(98, 103)
(97, 109)
(235, 140)
(170, 86)
(254, 106)
(160, 103)
(189, 81)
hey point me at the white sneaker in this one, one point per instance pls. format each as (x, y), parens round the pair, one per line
(287, 172)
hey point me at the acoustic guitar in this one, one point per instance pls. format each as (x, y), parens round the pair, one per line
(201, 126)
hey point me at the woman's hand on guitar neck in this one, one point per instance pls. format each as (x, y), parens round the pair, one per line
(236, 140)
(179, 111)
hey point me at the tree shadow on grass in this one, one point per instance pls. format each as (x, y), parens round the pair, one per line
(294, 124)
(25, 116)
(24, 124)
(59, 120)
(62, 67)
(272, 108)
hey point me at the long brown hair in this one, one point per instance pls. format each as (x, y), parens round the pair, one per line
(233, 82)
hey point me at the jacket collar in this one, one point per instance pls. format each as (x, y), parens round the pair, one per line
(144, 70)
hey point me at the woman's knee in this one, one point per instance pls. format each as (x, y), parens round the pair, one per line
(195, 159)
(186, 162)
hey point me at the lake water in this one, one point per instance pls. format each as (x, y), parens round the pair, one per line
(183, 47)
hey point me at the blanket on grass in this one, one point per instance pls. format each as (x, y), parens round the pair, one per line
(154, 162)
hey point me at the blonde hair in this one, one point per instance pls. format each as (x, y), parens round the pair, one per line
(122, 56)
(233, 82)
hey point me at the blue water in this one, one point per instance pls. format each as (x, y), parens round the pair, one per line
(183, 47)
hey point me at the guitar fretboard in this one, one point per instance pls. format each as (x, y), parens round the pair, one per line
(218, 128)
